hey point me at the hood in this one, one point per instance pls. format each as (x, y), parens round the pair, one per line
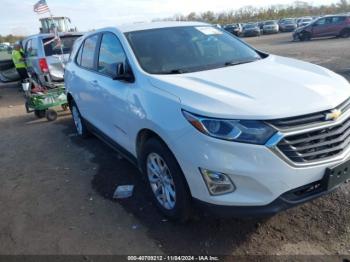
(274, 87)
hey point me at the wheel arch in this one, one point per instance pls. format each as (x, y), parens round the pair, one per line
(142, 137)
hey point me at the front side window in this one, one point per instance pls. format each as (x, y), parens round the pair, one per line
(188, 49)
(88, 52)
(321, 21)
(111, 54)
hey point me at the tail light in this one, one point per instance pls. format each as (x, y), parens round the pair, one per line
(43, 65)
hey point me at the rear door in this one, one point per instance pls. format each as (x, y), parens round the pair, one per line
(83, 77)
(31, 53)
(338, 23)
(112, 107)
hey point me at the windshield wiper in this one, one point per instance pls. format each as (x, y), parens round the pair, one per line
(239, 62)
(173, 72)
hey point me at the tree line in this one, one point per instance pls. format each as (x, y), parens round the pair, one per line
(274, 12)
(10, 38)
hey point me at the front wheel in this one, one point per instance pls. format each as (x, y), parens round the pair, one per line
(304, 36)
(166, 181)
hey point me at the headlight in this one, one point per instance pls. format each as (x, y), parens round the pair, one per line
(245, 131)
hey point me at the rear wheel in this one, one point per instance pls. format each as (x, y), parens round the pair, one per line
(165, 180)
(79, 123)
(345, 33)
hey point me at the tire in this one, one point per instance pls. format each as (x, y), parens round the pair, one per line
(79, 122)
(169, 189)
(51, 115)
(40, 113)
(345, 33)
(304, 36)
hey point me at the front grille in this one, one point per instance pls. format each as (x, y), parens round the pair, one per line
(316, 145)
(306, 120)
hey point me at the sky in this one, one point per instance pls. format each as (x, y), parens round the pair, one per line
(18, 18)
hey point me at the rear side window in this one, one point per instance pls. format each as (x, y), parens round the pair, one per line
(338, 19)
(55, 47)
(88, 52)
(111, 53)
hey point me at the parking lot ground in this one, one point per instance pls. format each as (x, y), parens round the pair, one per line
(56, 191)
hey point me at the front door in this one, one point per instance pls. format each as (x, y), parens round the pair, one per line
(112, 109)
(322, 27)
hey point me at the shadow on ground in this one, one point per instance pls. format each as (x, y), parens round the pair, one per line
(204, 234)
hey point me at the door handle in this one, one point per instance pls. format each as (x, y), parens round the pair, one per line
(94, 83)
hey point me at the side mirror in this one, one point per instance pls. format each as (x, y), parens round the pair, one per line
(124, 73)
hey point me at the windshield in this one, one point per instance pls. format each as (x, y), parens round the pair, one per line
(289, 22)
(187, 49)
(52, 47)
(270, 23)
(306, 20)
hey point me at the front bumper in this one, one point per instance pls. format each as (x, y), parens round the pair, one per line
(288, 29)
(261, 177)
(270, 31)
(287, 200)
(251, 33)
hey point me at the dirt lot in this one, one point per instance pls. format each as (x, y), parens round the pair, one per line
(55, 191)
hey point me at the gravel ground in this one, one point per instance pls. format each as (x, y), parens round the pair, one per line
(55, 191)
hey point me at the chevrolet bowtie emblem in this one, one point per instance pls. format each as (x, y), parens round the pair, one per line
(333, 115)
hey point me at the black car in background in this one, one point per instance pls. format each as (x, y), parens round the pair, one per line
(235, 29)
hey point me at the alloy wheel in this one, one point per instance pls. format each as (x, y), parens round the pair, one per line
(161, 181)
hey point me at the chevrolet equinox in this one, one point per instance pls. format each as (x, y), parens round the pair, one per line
(209, 120)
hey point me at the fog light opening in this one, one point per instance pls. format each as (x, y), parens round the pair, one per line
(217, 183)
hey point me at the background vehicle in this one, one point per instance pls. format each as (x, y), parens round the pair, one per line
(261, 24)
(44, 56)
(251, 29)
(235, 29)
(270, 27)
(337, 25)
(304, 21)
(287, 25)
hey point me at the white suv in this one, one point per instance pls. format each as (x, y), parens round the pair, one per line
(210, 120)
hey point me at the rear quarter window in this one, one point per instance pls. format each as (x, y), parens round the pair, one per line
(55, 47)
